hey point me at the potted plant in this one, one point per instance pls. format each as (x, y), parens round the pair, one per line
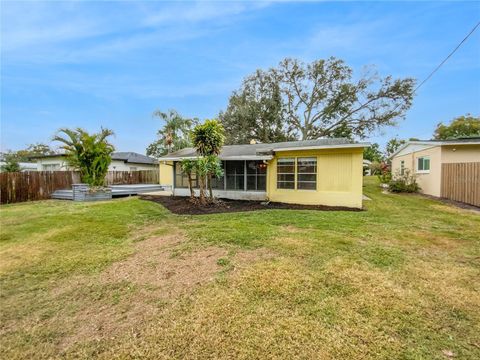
(90, 154)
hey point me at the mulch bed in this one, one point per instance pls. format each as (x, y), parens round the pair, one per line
(183, 206)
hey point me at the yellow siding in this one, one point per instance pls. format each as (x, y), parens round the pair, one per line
(339, 179)
(166, 173)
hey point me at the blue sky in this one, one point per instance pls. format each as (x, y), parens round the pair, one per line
(111, 64)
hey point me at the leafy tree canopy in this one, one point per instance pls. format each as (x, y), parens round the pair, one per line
(373, 153)
(89, 153)
(462, 126)
(318, 99)
(255, 111)
(208, 138)
(11, 163)
(173, 136)
(392, 146)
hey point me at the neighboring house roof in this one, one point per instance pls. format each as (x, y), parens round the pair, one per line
(266, 151)
(432, 143)
(127, 157)
(132, 157)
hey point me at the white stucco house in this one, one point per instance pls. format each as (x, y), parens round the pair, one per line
(121, 161)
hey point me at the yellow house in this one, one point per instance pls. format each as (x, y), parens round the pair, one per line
(312, 172)
(430, 161)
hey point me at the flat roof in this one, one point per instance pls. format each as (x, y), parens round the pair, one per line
(265, 151)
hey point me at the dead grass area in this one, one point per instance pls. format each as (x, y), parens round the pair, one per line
(129, 280)
(131, 292)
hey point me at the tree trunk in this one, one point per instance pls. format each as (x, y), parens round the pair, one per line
(210, 186)
(190, 186)
(202, 189)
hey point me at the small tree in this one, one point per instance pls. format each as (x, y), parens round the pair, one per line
(202, 168)
(208, 139)
(214, 171)
(89, 153)
(11, 163)
(188, 167)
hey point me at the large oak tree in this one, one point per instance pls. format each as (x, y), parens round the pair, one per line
(319, 99)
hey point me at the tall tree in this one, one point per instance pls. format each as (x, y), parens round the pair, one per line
(208, 139)
(462, 126)
(89, 153)
(373, 153)
(255, 111)
(392, 146)
(173, 136)
(323, 96)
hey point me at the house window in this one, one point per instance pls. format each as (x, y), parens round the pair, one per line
(235, 175)
(286, 173)
(423, 164)
(256, 175)
(51, 167)
(402, 167)
(307, 173)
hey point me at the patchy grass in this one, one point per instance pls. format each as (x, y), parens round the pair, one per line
(128, 279)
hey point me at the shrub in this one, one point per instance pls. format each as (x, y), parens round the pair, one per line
(403, 183)
(385, 175)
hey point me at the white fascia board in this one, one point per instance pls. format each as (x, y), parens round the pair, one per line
(321, 147)
(240, 157)
(247, 157)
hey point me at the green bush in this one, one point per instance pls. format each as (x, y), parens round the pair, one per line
(403, 183)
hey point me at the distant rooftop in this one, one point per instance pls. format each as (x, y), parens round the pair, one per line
(132, 157)
(266, 150)
(128, 157)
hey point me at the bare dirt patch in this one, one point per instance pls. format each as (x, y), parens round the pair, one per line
(183, 206)
(144, 284)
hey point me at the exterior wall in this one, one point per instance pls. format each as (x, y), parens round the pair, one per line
(46, 164)
(119, 165)
(460, 153)
(429, 182)
(226, 194)
(339, 178)
(166, 173)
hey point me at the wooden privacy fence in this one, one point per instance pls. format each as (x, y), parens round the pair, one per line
(39, 185)
(133, 177)
(461, 182)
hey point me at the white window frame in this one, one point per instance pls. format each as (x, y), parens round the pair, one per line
(423, 158)
(402, 167)
(290, 158)
(298, 173)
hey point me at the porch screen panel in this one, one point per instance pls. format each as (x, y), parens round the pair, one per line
(235, 175)
(256, 175)
(181, 179)
(307, 173)
(218, 183)
(286, 173)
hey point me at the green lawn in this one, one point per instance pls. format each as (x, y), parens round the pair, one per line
(127, 279)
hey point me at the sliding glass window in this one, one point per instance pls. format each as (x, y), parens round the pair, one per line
(306, 173)
(286, 173)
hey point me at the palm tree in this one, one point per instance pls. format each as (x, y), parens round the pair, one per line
(89, 153)
(188, 167)
(173, 136)
(208, 139)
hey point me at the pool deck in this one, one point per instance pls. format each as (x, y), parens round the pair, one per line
(117, 190)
